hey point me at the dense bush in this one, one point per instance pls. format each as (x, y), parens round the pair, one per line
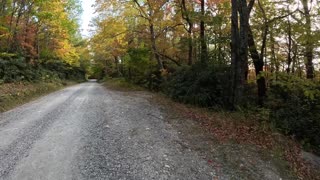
(97, 72)
(199, 85)
(295, 108)
(64, 70)
(140, 70)
(15, 69)
(293, 103)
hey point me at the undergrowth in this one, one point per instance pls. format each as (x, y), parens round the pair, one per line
(121, 84)
(247, 128)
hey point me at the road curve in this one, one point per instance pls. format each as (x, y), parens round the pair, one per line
(89, 132)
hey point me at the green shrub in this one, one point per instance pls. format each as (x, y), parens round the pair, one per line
(97, 72)
(64, 70)
(141, 70)
(198, 85)
(295, 108)
(16, 69)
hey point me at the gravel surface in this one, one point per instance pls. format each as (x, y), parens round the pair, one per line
(89, 132)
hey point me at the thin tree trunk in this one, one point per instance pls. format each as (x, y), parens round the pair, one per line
(204, 53)
(258, 59)
(116, 61)
(220, 55)
(186, 16)
(190, 45)
(235, 57)
(294, 58)
(308, 46)
(258, 65)
(13, 11)
(154, 47)
(273, 53)
(289, 58)
(37, 45)
(14, 45)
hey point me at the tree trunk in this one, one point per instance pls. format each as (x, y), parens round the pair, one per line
(190, 45)
(116, 61)
(235, 56)
(273, 54)
(154, 47)
(220, 52)
(244, 27)
(289, 58)
(294, 58)
(204, 53)
(14, 44)
(186, 16)
(13, 11)
(308, 45)
(258, 65)
(239, 50)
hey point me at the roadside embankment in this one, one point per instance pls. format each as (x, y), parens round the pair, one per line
(14, 94)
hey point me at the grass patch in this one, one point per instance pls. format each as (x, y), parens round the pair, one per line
(121, 84)
(15, 94)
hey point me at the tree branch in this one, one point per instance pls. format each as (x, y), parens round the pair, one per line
(170, 58)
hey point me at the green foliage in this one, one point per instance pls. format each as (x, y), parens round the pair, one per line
(203, 86)
(138, 62)
(141, 70)
(96, 72)
(64, 70)
(6, 55)
(295, 108)
(17, 69)
(121, 84)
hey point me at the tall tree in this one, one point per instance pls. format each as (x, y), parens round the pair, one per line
(152, 9)
(239, 49)
(204, 53)
(308, 36)
(187, 16)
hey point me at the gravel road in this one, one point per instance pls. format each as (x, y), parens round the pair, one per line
(89, 132)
